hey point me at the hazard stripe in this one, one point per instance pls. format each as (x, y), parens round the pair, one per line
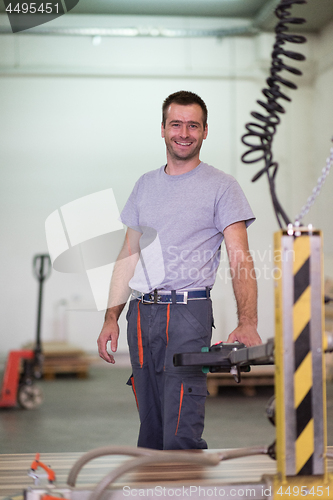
(301, 249)
(302, 346)
(302, 313)
(304, 413)
(307, 468)
(304, 444)
(305, 450)
(303, 380)
(139, 333)
(301, 280)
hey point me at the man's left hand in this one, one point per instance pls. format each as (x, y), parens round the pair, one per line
(246, 334)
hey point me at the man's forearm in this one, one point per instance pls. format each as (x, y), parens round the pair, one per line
(119, 288)
(242, 272)
(244, 284)
(245, 290)
(113, 313)
(122, 273)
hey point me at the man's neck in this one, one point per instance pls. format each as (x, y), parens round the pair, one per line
(178, 167)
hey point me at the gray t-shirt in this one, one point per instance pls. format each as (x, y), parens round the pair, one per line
(182, 219)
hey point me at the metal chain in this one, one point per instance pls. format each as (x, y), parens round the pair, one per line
(316, 190)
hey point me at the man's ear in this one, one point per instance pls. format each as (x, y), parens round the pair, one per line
(206, 131)
(162, 130)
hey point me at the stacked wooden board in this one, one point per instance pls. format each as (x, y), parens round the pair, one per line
(261, 375)
(63, 358)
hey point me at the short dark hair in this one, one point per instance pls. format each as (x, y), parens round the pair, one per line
(184, 98)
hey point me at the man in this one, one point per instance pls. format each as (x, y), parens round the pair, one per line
(177, 217)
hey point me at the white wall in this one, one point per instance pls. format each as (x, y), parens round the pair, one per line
(322, 142)
(76, 119)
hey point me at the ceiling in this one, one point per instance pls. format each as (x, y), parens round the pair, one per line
(259, 13)
(317, 12)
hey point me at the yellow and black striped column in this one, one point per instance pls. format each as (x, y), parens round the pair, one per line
(303, 402)
(300, 380)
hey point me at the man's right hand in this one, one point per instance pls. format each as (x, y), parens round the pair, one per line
(109, 333)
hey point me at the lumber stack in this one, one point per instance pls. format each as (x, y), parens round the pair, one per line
(261, 375)
(63, 358)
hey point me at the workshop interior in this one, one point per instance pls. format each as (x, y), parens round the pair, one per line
(80, 122)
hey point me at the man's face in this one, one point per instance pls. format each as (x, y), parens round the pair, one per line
(184, 131)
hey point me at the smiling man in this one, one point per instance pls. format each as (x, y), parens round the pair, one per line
(183, 128)
(177, 217)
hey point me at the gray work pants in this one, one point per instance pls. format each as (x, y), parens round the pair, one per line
(170, 400)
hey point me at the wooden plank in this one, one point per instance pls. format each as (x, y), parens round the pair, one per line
(14, 468)
(262, 375)
(59, 349)
(78, 367)
(63, 358)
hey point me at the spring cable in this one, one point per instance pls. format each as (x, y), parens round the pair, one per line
(260, 134)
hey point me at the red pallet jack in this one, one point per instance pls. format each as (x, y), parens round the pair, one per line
(19, 387)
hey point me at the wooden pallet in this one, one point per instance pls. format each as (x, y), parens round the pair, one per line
(262, 375)
(63, 358)
(78, 367)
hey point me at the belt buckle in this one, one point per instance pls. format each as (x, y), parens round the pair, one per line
(154, 297)
(146, 301)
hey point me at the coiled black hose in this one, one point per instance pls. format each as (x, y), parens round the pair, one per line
(264, 130)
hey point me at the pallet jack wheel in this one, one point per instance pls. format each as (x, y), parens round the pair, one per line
(29, 396)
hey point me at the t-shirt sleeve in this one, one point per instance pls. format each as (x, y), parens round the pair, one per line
(231, 207)
(130, 215)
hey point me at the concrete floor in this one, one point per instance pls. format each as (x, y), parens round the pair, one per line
(78, 415)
